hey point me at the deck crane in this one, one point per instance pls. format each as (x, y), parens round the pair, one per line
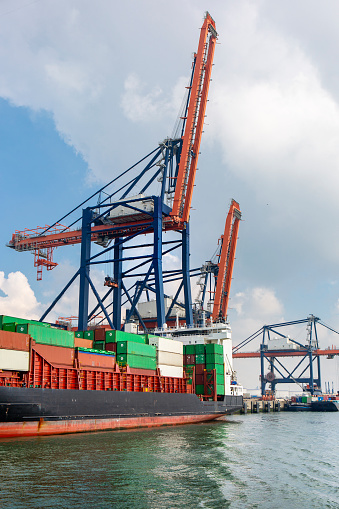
(136, 206)
(216, 274)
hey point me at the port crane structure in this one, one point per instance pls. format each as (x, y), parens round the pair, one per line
(151, 197)
(307, 369)
(216, 274)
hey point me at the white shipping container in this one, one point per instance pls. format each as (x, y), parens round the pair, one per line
(170, 358)
(14, 360)
(167, 345)
(173, 371)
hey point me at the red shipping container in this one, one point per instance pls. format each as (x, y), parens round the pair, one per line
(14, 341)
(95, 360)
(200, 368)
(111, 347)
(55, 355)
(100, 334)
(199, 379)
(83, 343)
(190, 359)
(138, 371)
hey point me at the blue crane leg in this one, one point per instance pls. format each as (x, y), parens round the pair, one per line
(84, 268)
(186, 275)
(117, 274)
(157, 261)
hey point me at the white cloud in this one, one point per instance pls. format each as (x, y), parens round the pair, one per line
(19, 299)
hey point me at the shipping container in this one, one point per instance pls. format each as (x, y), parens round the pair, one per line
(219, 368)
(199, 389)
(189, 359)
(89, 334)
(199, 379)
(14, 360)
(200, 368)
(171, 371)
(189, 350)
(111, 347)
(165, 344)
(170, 358)
(113, 336)
(14, 341)
(214, 358)
(136, 348)
(100, 334)
(51, 336)
(10, 327)
(199, 348)
(95, 359)
(200, 358)
(137, 361)
(99, 345)
(214, 348)
(55, 355)
(12, 319)
(83, 343)
(78, 334)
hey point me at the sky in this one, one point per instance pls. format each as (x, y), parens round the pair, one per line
(88, 88)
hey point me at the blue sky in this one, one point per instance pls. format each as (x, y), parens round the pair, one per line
(86, 90)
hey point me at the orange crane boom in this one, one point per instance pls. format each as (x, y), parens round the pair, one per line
(226, 262)
(195, 121)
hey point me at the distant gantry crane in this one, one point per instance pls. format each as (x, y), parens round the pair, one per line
(276, 345)
(151, 197)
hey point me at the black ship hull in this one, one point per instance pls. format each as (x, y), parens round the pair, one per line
(35, 411)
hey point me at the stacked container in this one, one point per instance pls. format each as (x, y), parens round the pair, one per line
(14, 351)
(136, 355)
(205, 358)
(215, 360)
(169, 356)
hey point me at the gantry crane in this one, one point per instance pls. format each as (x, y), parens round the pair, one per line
(167, 176)
(276, 345)
(216, 275)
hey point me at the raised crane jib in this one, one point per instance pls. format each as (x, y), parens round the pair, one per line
(226, 262)
(195, 121)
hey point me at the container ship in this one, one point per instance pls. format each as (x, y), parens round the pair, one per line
(55, 381)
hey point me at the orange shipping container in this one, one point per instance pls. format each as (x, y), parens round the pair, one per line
(83, 343)
(95, 360)
(14, 341)
(55, 355)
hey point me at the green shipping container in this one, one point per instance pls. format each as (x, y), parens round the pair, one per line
(50, 336)
(10, 327)
(89, 334)
(199, 389)
(99, 345)
(221, 389)
(191, 366)
(218, 367)
(22, 328)
(79, 334)
(200, 358)
(220, 379)
(137, 361)
(113, 336)
(131, 347)
(199, 349)
(214, 348)
(189, 350)
(12, 319)
(214, 358)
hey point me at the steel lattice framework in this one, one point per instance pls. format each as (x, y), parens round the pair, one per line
(134, 208)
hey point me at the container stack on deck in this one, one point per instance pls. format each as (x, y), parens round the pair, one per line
(204, 358)
(169, 356)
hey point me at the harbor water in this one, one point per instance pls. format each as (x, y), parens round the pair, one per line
(282, 460)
